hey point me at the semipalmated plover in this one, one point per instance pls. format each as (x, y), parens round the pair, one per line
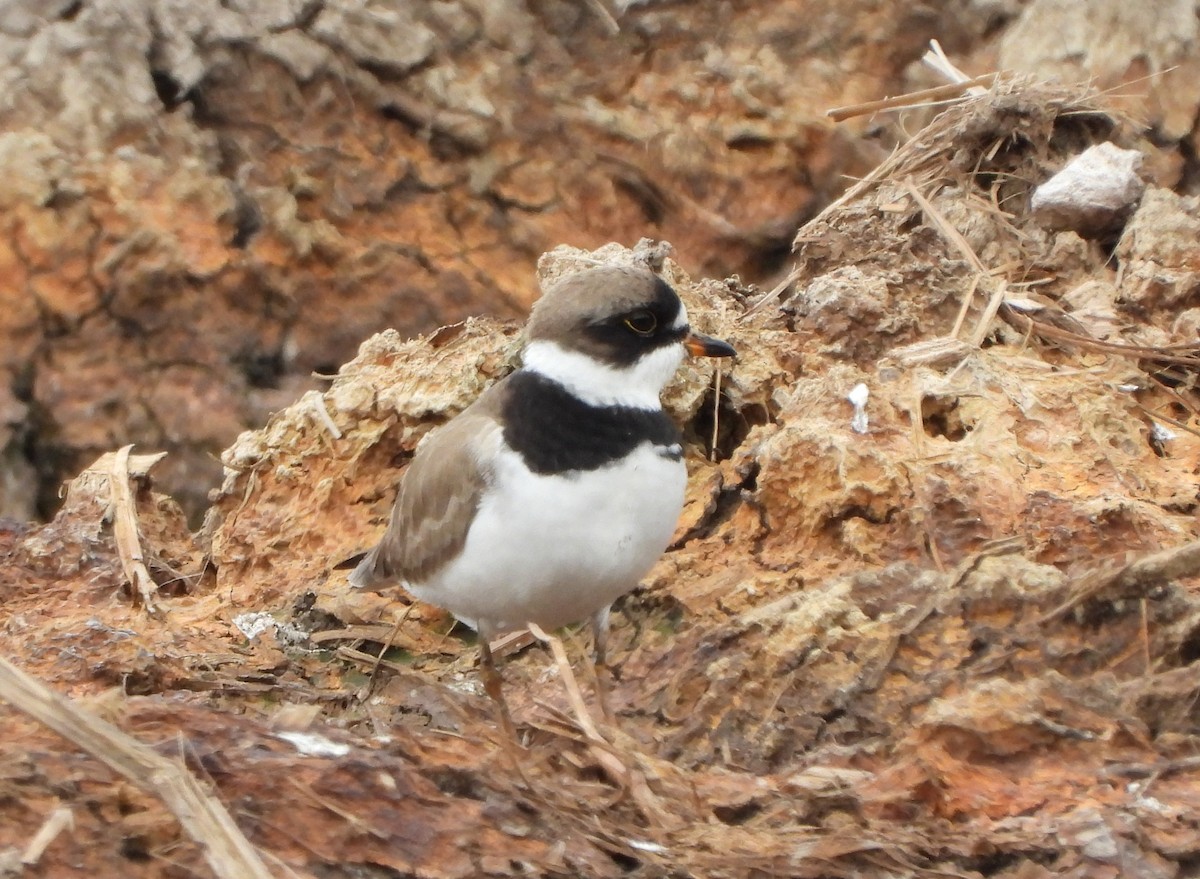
(556, 491)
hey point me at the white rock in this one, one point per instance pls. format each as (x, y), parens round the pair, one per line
(251, 625)
(1094, 194)
(858, 399)
(313, 745)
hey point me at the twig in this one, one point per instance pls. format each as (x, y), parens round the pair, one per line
(199, 813)
(359, 825)
(316, 403)
(387, 645)
(712, 449)
(989, 312)
(937, 93)
(1146, 664)
(1174, 422)
(937, 350)
(56, 822)
(935, 59)
(992, 549)
(575, 695)
(774, 293)
(1025, 323)
(1183, 764)
(361, 657)
(946, 228)
(1142, 575)
(1137, 578)
(374, 632)
(601, 749)
(966, 306)
(125, 530)
(961, 244)
(510, 643)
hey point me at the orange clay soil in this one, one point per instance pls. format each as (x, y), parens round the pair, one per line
(960, 643)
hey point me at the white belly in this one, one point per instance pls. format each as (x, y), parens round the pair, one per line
(555, 549)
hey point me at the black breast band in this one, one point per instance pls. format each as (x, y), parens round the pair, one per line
(556, 432)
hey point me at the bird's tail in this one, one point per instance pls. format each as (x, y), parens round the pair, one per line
(373, 572)
(366, 573)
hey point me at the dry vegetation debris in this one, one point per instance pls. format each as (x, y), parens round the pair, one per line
(960, 643)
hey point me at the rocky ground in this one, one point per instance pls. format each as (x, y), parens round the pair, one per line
(957, 639)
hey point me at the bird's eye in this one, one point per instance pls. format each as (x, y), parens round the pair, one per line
(642, 322)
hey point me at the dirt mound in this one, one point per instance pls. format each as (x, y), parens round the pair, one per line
(204, 203)
(948, 628)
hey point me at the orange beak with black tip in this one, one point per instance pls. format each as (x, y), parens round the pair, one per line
(699, 345)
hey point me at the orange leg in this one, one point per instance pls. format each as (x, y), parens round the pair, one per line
(493, 685)
(600, 663)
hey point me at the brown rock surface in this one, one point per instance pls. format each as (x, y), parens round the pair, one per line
(962, 641)
(205, 202)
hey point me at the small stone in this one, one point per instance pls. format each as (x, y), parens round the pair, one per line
(1094, 194)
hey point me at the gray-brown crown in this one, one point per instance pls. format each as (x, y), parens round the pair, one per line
(588, 312)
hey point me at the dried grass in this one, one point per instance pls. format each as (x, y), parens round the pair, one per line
(202, 816)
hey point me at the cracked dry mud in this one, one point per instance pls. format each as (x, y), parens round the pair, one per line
(962, 643)
(206, 202)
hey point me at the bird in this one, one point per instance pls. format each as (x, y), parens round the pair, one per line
(557, 490)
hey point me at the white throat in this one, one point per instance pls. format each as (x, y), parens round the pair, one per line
(637, 385)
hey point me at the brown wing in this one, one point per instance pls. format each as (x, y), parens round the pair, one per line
(437, 498)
